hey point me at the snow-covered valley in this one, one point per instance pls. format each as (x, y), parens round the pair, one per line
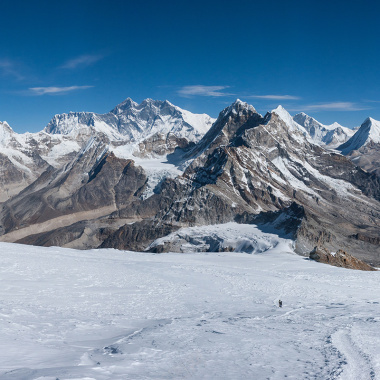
(107, 314)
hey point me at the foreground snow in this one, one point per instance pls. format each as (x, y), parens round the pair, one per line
(105, 314)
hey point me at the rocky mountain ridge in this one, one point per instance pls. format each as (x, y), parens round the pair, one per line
(130, 121)
(246, 168)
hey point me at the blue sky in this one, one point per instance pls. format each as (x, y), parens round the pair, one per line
(320, 57)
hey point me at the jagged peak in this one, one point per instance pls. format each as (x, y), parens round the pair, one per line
(305, 117)
(238, 107)
(168, 103)
(126, 104)
(148, 101)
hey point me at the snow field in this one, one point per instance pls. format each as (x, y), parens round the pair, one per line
(107, 314)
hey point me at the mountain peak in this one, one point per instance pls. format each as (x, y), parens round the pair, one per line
(326, 135)
(281, 111)
(126, 104)
(132, 121)
(5, 125)
(374, 132)
(368, 132)
(284, 115)
(5, 131)
(239, 108)
(370, 120)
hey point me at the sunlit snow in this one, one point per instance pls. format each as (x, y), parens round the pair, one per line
(106, 314)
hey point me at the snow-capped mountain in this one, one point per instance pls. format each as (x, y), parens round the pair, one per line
(26, 156)
(363, 148)
(293, 125)
(330, 136)
(248, 166)
(150, 129)
(368, 133)
(135, 122)
(128, 184)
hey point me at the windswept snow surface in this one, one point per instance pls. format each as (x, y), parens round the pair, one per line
(106, 314)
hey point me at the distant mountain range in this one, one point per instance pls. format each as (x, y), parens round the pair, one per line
(130, 177)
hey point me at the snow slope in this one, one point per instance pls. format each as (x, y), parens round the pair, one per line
(107, 314)
(369, 132)
(329, 135)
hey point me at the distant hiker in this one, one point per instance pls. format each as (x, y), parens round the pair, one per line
(279, 303)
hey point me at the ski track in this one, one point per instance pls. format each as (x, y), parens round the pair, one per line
(357, 365)
(105, 314)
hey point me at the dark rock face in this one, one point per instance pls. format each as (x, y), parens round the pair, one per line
(94, 179)
(160, 144)
(369, 239)
(285, 222)
(339, 259)
(137, 236)
(16, 175)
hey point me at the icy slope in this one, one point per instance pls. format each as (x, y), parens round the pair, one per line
(105, 314)
(223, 237)
(369, 132)
(329, 135)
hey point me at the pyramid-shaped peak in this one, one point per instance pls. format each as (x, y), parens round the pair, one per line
(168, 103)
(126, 104)
(5, 131)
(238, 107)
(283, 114)
(5, 124)
(369, 132)
(6, 127)
(370, 120)
(372, 127)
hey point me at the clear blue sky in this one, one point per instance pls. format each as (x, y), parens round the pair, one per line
(320, 57)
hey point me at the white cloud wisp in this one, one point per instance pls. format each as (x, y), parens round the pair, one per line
(200, 90)
(56, 90)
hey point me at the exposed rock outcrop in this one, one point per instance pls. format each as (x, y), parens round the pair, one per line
(339, 259)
